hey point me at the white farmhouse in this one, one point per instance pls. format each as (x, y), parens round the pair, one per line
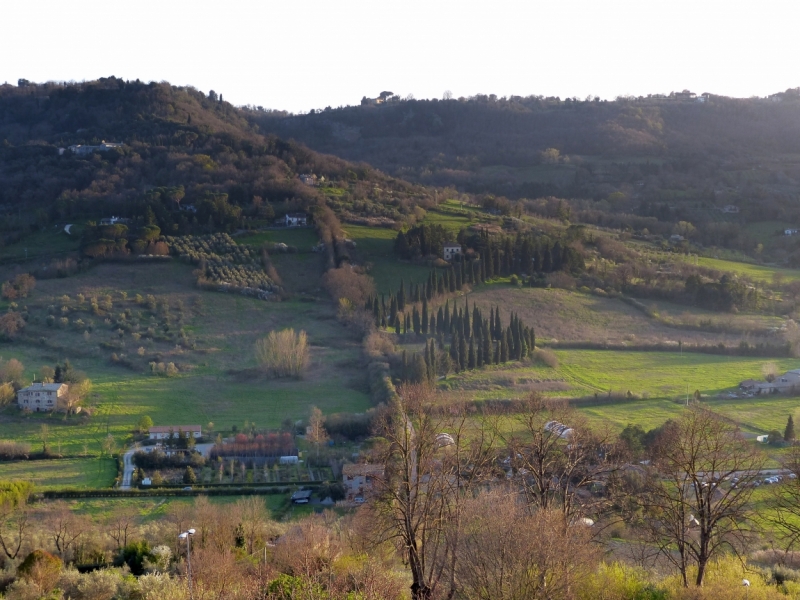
(39, 397)
(451, 250)
(296, 219)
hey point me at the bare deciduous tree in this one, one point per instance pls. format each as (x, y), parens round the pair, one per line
(692, 512)
(65, 528)
(316, 433)
(557, 458)
(119, 524)
(433, 457)
(283, 353)
(511, 553)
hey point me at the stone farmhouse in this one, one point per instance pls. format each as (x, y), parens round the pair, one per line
(359, 480)
(39, 397)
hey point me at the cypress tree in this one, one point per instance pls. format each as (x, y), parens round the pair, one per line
(415, 319)
(393, 309)
(425, 321)
(462, 351)
(498, 327)
(397, 323)
(458, 279)
(401, 296)
(432, 326)
(407, 325)
(454, 356)
(788, 434)
(440, 321)
(419, 370)
(504, 347)
(478, 349)
(471, 357)
(486, 338)
(447, 316)
(404, 374)
(476, 320)
(491, 320)
(440, 285)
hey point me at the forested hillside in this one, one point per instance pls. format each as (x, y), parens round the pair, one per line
(673, 158)
(180, 148)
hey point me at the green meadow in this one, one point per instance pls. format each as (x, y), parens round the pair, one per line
(72, 473)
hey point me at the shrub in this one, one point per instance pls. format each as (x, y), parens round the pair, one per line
(545, 356)
(41, 568)
(283, 353)
(11, 324)
(19, 287)
(7, 394)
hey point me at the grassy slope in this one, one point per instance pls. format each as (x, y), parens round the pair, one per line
(226, 328)
(574, 316)
(73, 473)
(660, 377)
(756, 272)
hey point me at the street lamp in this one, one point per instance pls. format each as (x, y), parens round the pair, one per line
(185, 536)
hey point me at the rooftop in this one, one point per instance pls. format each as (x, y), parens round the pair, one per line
(39, 387)
(362, 470)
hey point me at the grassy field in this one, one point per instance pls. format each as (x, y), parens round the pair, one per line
(72, 473)
(375, 245)
(755, 272)
(156, 509)
(50, 242)
(659, 378)
(564, 315)
(302, 238)
(218, 382)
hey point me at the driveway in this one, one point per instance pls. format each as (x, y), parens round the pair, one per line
(127, 467)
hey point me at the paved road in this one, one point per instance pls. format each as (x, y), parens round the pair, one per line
(127, 468)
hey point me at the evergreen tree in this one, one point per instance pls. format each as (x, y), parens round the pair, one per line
(425, 320)
(401, 296)
(454, 356)
(788, 434)
(487, 344)
(397, 324)
(478, 348)
(407, 325)
(440, 321)
(458, 279)
(462, 351)
(440, 285)
(419, 370)
(447, 316)
(415, 319)
(471, 363)
(504, 347)
(393, 309)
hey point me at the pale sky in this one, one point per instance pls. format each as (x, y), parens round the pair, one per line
(302, 54)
